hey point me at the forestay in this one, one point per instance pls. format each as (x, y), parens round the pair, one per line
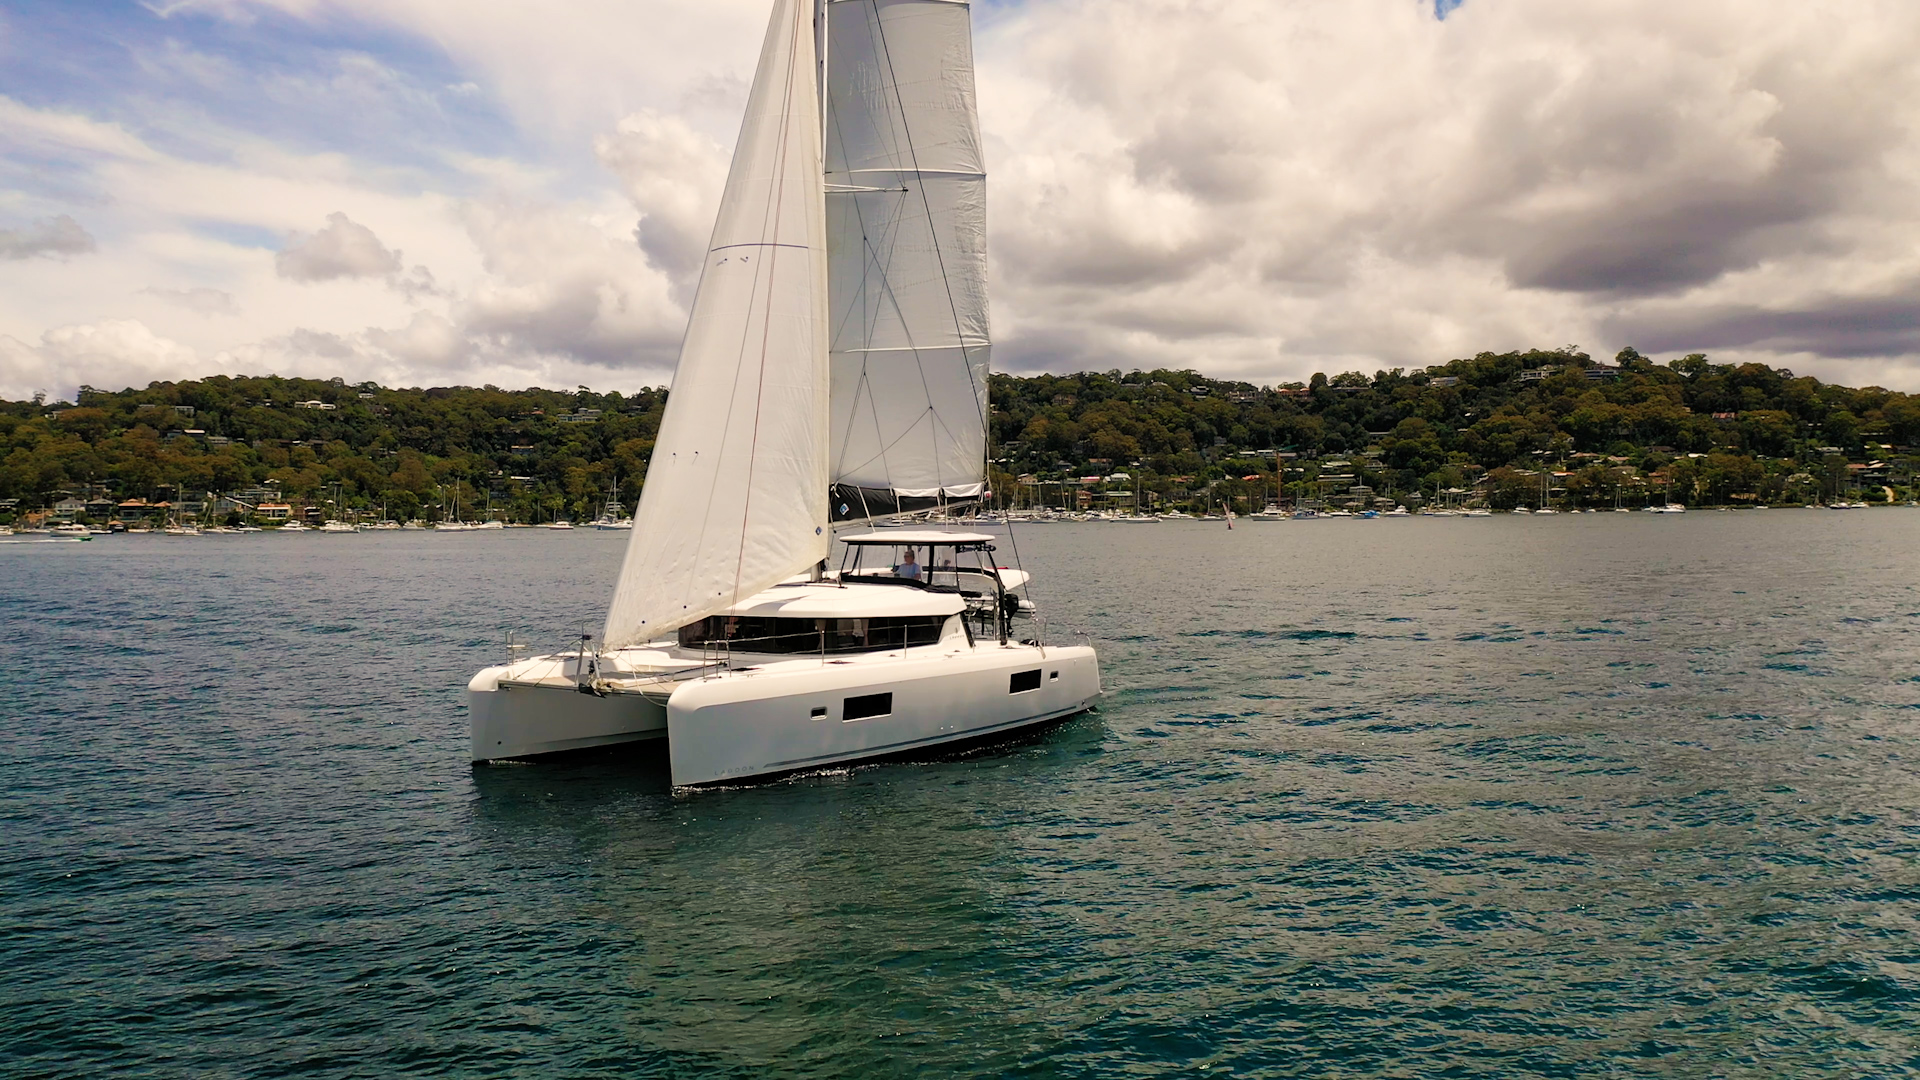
(906, 221)
(735, 496)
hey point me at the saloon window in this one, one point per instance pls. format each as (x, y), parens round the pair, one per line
(821, 636)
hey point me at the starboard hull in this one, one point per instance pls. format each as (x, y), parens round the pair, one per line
(737, 727)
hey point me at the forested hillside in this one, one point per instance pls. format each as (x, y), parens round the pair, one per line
(1484, 428)
(529, 453)
(1506, 429)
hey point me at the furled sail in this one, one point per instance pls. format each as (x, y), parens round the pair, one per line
(907, 244)
(735, 496)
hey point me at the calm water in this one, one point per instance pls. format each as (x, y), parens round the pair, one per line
(1594, 796)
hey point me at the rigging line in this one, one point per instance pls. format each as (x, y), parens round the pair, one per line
(853, 411)
(860, 386)
(933, 236)
(871, 260)
(726, 428)
(945, 279)
(1039, 626)
(775, 203)
(879, 436)
(886, 286)
(838, 135)
(890, 228)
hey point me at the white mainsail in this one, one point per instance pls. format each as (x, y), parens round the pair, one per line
(736, 493)
(907, 244)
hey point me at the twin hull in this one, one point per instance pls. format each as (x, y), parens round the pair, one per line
(744, 723)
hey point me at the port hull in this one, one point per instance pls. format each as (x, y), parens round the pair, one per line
(509, 720)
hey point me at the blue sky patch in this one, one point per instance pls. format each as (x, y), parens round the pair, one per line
(194, 84)
(1444, 8)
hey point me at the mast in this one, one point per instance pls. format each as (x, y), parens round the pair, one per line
(820, 73)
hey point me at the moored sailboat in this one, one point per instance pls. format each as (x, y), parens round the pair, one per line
(833, 373)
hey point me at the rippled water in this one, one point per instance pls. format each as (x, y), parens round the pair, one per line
(1593, 796)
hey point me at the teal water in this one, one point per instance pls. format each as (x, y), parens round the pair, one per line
(1590, 796)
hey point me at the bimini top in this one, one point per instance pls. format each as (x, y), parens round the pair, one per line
(851, 601)
(916, 538)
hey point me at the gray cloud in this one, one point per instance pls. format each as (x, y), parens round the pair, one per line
(344, 249)
(673, 176)
(1833, 327)
(1257, 190)
(56, 236)
(1275, 188)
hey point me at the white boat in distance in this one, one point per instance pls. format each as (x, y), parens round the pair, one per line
(855, 268)
(612, 515)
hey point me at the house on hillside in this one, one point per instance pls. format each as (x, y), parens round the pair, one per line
(137, 510)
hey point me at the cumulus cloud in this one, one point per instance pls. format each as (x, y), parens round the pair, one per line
(559, 285)
(109, 353)
(1255, 190)
(344, 249)
(673, 175)
(57, 236)
(1255, 181)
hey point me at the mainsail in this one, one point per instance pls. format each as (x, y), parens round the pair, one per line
(735, 495)
(906, 226)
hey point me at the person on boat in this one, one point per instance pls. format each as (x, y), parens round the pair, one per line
(908, 567)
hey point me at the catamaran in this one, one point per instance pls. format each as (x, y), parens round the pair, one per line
(833, 373)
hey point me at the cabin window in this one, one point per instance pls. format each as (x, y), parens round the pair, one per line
(1023, 681)
(866, 705)
(757, 634)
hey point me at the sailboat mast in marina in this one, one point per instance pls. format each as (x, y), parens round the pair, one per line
(834, 371)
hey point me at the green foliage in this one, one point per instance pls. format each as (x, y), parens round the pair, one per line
(409, 449)
(1690, 430)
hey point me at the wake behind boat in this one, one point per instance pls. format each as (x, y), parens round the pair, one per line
(854, 268)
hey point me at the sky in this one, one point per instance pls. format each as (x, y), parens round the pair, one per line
(436, 192)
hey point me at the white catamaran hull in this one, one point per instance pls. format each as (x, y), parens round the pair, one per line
(519, 721)
(737, 726)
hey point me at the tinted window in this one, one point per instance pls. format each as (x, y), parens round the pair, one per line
(859, 708)
(1023, 681)
(770, 635)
